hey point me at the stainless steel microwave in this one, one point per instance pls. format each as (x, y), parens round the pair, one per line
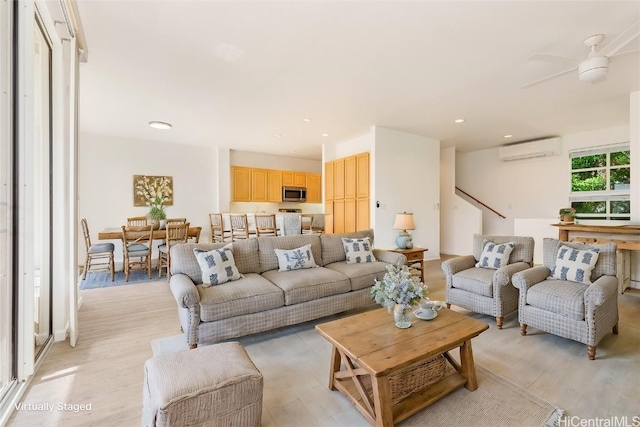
(294, 194)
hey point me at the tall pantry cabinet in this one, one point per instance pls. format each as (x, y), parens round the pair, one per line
(347, 194)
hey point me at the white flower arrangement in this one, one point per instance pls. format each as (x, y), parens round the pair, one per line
(155, 191)
(398, 286)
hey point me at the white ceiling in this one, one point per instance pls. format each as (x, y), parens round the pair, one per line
(235, 73)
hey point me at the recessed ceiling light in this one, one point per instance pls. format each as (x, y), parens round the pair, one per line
(325, 134)
(160, 125)
(508, 136)
(293, 152)
(306, 120)
(458, 120)
(276, 135)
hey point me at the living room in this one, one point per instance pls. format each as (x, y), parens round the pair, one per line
(418, 154)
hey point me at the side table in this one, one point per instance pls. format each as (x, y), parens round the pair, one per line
(415, 258)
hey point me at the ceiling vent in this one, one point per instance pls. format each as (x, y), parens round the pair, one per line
(526, 150)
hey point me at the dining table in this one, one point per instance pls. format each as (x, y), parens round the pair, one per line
(116, 233)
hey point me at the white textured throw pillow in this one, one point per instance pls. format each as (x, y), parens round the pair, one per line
(358, 250)
(495, 255)
(217, 265)
(295, 259)
(575, 265)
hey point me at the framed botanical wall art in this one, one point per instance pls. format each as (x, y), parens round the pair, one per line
(152, 191)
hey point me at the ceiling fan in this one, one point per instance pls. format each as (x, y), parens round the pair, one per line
(594, 67)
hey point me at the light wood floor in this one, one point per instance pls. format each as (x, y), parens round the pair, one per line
(117, 325)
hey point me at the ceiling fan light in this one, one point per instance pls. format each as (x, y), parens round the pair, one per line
(593, 70)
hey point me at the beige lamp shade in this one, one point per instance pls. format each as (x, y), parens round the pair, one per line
(404, 221)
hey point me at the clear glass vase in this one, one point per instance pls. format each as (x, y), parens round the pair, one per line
(402, 316)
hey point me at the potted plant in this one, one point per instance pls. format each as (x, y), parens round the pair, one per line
(567, 214)
(399, 291)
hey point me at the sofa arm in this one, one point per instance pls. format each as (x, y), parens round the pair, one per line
(389, 257)
(184, 291)
(603, 289)
(525, 279)
(503, 275)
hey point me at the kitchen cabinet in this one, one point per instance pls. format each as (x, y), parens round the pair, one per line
(350, 177)
(259, 185)
(274, 185)
(241, 184)
(338, 179)
(299, 179)
(314, 187)
(362, 175)
(288, 178)
(349, 215)
(328, 181)
(338, 216)
(328, 217)
(362, 214)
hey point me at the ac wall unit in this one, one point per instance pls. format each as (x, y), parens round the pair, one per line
(526, 150)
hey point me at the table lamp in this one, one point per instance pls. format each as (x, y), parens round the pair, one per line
(404, 222)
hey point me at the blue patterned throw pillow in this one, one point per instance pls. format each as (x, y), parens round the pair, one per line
(295, 259)
(495, 255)
(358, 250)
(575, 265)
(217, 265)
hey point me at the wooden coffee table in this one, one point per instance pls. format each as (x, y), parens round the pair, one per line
(370, 345)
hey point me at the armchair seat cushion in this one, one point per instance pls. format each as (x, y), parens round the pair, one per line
(561, 297)
(475, 280)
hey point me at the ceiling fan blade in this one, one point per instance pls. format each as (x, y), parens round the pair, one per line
(628, 52)
(549, 77)
(555, 58)
(622, 40)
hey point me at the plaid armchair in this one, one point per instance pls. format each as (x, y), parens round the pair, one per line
(578, 311)
(486, 290)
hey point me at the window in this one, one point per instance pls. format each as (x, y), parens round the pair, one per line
(601, 183)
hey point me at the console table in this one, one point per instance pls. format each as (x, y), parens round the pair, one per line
(606, 234)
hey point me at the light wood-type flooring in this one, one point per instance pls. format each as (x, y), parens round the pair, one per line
(117, 325)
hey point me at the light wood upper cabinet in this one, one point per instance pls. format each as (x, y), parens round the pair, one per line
(350, 177)
(299, 179)
(241, 184)
(259, 187)
(362, 177)
(338, 179)
(328, 181)
(314, 187)
(288, 178)
(274, 185)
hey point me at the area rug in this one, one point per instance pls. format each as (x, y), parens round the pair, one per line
(102, 279)
(497, 402)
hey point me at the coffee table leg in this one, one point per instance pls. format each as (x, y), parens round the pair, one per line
(382, 401)
(336, 361)
(468, 366)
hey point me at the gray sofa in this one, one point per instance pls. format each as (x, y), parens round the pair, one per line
(266, 298)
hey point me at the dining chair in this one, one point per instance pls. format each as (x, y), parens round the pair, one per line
(193, 235)
(136, 245)
(176, 234)
(239, 227)
(218, 234)
(175, 221)
(266, 225)
(137, 221)
(306, 224)
(99, 251)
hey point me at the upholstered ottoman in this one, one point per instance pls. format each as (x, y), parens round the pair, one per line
(215, 385)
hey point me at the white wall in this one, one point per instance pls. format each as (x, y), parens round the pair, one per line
(106, 168)
(459, 220)
(406, 177)
(529, 188)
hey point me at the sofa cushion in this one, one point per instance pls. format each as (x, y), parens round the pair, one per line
(333, 249)
(357, 250)
(309, 284)
(267, 246)
(217, 265)
(606, 265)
(183, 260)
(575, 264)
(251, 294)
(475, 280)
(495, 255)
(362, 275)
(559, 296)
(295, 259)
